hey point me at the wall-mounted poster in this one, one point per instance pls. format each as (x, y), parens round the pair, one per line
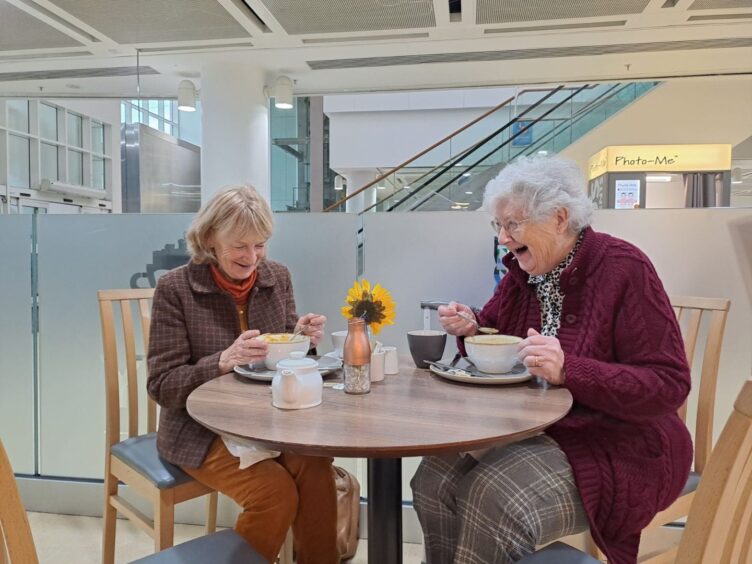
(526, 137)
(627, 194)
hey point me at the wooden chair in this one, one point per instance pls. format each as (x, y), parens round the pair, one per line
(690, 312)
(15, 533)
(719, 527)
(135, 461)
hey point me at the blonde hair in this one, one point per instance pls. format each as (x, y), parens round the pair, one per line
(237, 209)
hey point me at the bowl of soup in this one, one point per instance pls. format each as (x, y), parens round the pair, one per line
(280, 345)
(494, 354)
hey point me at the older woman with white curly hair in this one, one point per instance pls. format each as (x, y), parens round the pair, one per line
(594, 318)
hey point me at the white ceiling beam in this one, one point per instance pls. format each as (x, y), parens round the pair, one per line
(441, 11)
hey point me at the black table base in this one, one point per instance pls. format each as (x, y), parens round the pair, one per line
(385, 510)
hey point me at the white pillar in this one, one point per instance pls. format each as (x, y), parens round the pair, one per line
(356, 179)
(234, 128)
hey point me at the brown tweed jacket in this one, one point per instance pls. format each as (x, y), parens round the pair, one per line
(193, 321)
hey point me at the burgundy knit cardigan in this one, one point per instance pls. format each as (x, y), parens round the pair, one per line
(625, 366)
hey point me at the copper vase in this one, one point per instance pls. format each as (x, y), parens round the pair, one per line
(356, 356)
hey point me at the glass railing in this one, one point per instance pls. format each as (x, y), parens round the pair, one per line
(489, 136)
(549, 127)
(453, 173)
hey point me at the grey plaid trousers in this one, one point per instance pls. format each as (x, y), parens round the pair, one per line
(498, 509)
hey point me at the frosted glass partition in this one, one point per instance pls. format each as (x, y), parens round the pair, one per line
(78, 255)
(436, 255)
(319, 249)
(16, 343)
(419, 256)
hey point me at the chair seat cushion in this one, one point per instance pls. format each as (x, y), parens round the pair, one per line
(558, 553)
(140, 453)
(693, 480)
(224, 547)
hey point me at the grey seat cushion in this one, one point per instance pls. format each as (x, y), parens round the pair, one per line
(140, 453)
(693, 480)
(558, 553)
(224, 547)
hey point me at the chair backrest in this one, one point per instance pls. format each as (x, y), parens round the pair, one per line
(719, 527)
(690, 312)
(15, 533)
(126, 301)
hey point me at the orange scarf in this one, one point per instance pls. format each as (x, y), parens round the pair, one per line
(238, 290)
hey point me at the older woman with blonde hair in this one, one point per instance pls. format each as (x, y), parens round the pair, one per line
(206, 319)
(595, 319)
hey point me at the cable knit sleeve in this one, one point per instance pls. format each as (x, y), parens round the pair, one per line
(649, 375)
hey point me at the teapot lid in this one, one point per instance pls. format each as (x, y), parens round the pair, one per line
(297, 359)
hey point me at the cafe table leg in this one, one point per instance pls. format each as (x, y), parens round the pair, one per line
(385, 510)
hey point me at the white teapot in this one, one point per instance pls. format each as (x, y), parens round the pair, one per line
(297, 383)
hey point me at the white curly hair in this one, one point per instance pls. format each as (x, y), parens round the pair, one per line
(541, 185)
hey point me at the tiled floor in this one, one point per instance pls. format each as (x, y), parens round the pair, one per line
(68, 539)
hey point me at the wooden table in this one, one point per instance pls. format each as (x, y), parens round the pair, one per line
(413, 413)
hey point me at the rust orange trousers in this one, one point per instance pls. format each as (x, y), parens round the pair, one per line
(275, 494)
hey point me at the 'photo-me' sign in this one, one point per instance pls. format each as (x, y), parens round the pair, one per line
(660, 158)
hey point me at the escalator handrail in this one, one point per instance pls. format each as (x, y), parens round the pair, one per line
(485, 140)
(450, 136)
(506, 142)
(418, 155)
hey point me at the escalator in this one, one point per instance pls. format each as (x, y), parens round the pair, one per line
(452, 174)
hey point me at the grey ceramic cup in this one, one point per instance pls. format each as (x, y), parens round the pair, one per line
(426, 344)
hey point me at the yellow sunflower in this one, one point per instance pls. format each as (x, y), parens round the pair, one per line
(374, 305)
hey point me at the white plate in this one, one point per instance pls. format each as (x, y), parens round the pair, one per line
(518, 374)
(259, 372)
(333, 354)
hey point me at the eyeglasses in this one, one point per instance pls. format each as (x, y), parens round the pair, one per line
(511, 227)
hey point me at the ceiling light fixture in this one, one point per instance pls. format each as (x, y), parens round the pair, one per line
(187, 96)
(282, 92)
(466, 174)
(658, 178)
(380, 187)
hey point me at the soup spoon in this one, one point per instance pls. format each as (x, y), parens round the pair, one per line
(486, 330)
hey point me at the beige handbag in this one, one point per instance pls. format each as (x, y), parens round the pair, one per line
(348, 512)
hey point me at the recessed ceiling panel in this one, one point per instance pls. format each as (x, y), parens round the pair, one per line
(509, 11)
(19, 30)
(332, 16)
(152, 21)
(720, 4)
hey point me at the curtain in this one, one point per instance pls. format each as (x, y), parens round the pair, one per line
(703, 190)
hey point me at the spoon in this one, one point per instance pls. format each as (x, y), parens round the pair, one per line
(486, 330)
(298, 332)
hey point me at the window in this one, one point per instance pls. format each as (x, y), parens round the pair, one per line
(48, 122)
(157, 114)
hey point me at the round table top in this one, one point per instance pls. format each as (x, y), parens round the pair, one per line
(413, 413)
